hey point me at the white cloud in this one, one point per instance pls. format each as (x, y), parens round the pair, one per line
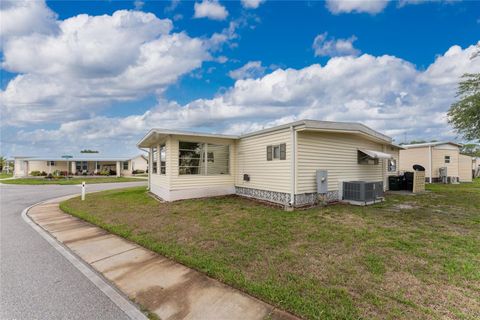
(386, 93)
(172, 6)
(91, 62)
(138, 4)
(252, 69)
(403, 3)
(334, 47)
(356, 6)
(210, 9)
(251, 4)
(23, 17)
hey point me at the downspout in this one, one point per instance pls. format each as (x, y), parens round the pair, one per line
(293, 166)
(430, 163)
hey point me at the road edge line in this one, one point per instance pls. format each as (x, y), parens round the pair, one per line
(118, 299)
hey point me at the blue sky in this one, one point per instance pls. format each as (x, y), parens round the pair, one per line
(80, 74)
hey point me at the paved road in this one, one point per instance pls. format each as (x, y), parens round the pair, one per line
(37, 282)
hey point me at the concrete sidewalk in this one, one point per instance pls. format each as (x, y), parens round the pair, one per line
(166, 288)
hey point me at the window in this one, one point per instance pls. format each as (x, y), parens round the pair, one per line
(392, 165)
(125, 165)
(192, 155)
(210, 157)
(98, 166)
(277, 152)
(363, 158)
(163, 159)
(447, 159)
(50, 163)
(81, 165)
(154, 160)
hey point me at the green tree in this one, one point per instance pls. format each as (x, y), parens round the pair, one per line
(464, 114)
(471, 149)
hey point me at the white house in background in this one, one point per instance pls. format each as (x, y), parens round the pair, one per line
(436, 155)
(278, 164)
(476, 167)
(81, 164)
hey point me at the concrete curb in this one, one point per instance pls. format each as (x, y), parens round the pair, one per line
(112, 293)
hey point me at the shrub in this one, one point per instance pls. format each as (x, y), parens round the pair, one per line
(43, 173)
(35, 173)
(138, 171)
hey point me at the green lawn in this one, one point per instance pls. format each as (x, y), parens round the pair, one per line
(4, 175)
(76, 180)
(411, 257)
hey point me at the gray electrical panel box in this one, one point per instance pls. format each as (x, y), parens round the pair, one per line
(322, 181)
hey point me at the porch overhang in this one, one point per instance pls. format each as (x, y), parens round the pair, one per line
(155, 135)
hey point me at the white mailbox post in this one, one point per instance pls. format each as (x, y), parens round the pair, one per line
(83, 190)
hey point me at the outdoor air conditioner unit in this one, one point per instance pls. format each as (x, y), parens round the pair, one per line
(362, 191)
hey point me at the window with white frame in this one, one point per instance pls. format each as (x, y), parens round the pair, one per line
(192, 155)
(125, 165)
(154, 160)
(392, 165)
(277, 152)
(163, 159)
(447, 159)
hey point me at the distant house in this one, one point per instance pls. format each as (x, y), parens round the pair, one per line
(435, 156)
(278, 164)
(476, 166)
(82, 164)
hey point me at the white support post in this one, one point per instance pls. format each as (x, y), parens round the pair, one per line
(430, 163)
(118, 169)
(83, 190)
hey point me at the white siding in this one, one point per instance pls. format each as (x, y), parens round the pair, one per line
(336, 153)
(420, 156)
(465, 168)
(43, 166)
(252, 160)
(139, 163)
(438, 161)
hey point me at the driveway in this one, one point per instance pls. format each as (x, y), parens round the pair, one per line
(36, 281)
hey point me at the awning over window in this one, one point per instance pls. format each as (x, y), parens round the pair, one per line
(375, 154)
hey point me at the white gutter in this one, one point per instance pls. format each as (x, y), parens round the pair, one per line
(430, 163)
(293, 165)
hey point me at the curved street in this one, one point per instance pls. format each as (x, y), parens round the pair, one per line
(37, 282)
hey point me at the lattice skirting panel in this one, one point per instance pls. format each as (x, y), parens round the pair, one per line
(302, 199)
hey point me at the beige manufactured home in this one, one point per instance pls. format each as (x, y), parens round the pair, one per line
(82, 164)
(278, 164)
(437, 157)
